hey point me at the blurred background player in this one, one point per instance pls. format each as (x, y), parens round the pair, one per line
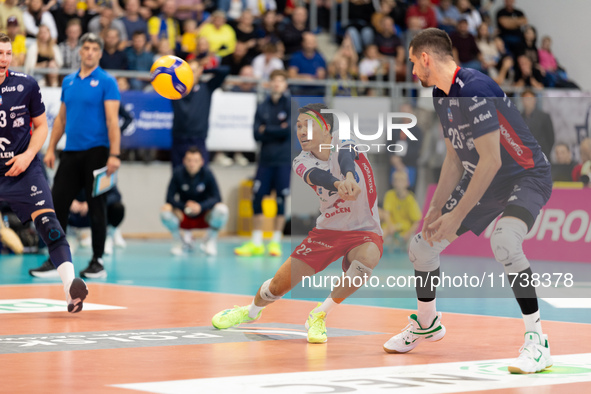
(115, 213)
(191, 114)
(22, 182)
(272, 125)
(484, 174)
(345, 228)
(401, 213)
(193, 202)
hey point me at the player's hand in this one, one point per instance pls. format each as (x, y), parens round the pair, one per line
(19, 163)
(192, 208)
(348, 189)
(113, 164)
(432, 215)
(49, 159)
(445, 227)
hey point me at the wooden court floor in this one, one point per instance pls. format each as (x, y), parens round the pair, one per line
(164, 335)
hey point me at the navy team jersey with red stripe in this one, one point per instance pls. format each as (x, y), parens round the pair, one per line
(475, 106)
(20, 101)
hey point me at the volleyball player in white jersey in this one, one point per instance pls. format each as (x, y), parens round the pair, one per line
(348, 225)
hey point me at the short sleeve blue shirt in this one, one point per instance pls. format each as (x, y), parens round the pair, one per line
(86, 122)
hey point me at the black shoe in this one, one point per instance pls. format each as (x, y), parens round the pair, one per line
(94, 270)
(47, 270)
(78, 292)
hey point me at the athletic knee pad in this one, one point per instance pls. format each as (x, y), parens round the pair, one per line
(170, 220)
(266, 293)
(51, 232)
(218, 216)
(423, 256)
(506, 243)
(357, 268)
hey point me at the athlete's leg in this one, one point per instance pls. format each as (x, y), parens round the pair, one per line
(286, 277)
(171, 218)
(216, 219)
(506, 242)
(97, 206)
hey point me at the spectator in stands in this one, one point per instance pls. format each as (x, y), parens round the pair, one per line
(393, 9)
(488, 49)
(244, 87)
(44, 53)
(466, 52)
(201, 14)
(165, 26)
(530, 48)
(359, 28)
(10, 8)
(390, 45)
(582, 171)
(70, 48)
(407, 159)
(246, 32)
(401, 214)
(220, 35)
(527, 75)
(371, 64)
(106, 20)
(233, 8)
(260, 8)
(272, 127)
(238, 59)
(267, 30)
(307, 63)
(198, 206)
(113, 58)
(189, 37)
(556, 76)
(132, 20)
(471, 15)
(538, 121)
(421, 16)
(510, 21)
(505, 63)
(186, 9)
(563, 165)
(347, 51)
(163, 49)
(191, 114)
(19, 48)
(447, 16)
(139, 58)
(267, 62)
(291, 33)
(204, 55)
(34, 17)
(344, 73)
(64, 14)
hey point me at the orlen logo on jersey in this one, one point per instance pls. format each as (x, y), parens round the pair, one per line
(345, 128)
(8, 89)
(301, 169)
(5, 155)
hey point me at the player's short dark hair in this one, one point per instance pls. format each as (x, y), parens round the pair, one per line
(433, 41)
(315, 109)
(4, 38)
(92, 38)
(193, 149)
(278, 73)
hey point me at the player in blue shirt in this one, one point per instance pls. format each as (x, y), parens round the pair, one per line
(493, 165)
(22, 183)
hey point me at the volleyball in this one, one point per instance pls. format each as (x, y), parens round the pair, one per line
(172, 77)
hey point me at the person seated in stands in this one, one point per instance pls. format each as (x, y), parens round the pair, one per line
(563, 165)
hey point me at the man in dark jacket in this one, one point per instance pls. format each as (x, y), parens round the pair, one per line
(193, 201)
(272, 128)
(539, 122)
(191, 114)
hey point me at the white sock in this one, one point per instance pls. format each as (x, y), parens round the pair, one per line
(257, 237)
(66, 271)
(277, 236)
(533, 323)
(254, 310)
(187, 237)
(327, 306)
(426, 313)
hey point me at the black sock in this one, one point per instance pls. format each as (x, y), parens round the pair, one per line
(524, 292)
(424, 292)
